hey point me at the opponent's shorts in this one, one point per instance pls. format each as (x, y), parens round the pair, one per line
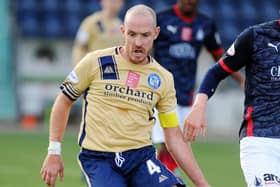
(157, 134)
(133, 168)
(260, 161)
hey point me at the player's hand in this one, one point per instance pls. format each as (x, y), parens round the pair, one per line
(52, 167)
(194, 123)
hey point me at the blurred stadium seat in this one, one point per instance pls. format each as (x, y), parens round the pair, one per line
(72, 23)
(52, 26)
(232, 16)
(90, 6)
(72, 6)
(49, 6)
(26, 5)
(29, 24)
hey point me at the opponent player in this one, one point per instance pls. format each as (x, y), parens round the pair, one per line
(99, 30)
(121, 86)
(184, 31)
(257, 48)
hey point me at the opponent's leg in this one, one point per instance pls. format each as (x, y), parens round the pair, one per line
(260, 162)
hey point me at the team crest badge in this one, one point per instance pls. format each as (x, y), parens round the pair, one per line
(154, 81)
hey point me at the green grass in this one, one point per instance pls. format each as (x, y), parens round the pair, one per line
(22, 154)
(220, 163)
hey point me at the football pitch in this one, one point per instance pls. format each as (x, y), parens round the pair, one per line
(22, 155)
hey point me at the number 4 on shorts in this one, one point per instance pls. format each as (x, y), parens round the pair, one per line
(152, 167)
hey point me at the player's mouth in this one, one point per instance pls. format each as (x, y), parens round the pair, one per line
(138, 52)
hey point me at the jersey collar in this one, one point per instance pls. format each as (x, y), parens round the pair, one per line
(181, 16)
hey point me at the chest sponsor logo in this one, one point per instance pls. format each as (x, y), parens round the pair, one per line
(275, 73)
(132, 79)
(186, 34)
(154, 81)
(128, 94)
(182, 50)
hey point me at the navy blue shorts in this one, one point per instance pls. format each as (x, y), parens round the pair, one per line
(133, 168)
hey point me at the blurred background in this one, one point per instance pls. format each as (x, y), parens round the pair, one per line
(36, 39)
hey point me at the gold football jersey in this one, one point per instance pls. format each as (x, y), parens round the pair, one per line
(119, 98)
(97, 33)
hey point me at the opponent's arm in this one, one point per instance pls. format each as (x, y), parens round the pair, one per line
(53, 164)
(182, 153)
(237, 76)
(196, 119)
(237, 56)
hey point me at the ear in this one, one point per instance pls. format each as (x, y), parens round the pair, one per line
(157, 31)
(122, 30)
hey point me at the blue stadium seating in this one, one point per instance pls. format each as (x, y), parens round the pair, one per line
(72, 23)
(89, 6)
(52, 26)
(232, 16)
(29, 24)
(26, 5)
(50, 5)
(72, 6)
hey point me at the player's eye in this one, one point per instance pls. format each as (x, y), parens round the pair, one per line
(131, 34)
(147, 34)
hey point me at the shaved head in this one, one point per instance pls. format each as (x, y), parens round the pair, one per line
(141, 10)
(139, 32)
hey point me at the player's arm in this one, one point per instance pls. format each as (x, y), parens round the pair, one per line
(237, 56)
(75, 84)
(181, 150)
(235, 75)
(213, 44)
(53, 164)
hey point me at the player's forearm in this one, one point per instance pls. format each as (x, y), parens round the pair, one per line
(200, 101)
(59, 117)
(182, 153)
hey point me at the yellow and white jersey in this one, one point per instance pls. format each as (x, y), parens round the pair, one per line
(97, 33)
(119, 98)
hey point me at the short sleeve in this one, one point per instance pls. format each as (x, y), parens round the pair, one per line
(167, 102)
(80, 77)
(240, 52)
